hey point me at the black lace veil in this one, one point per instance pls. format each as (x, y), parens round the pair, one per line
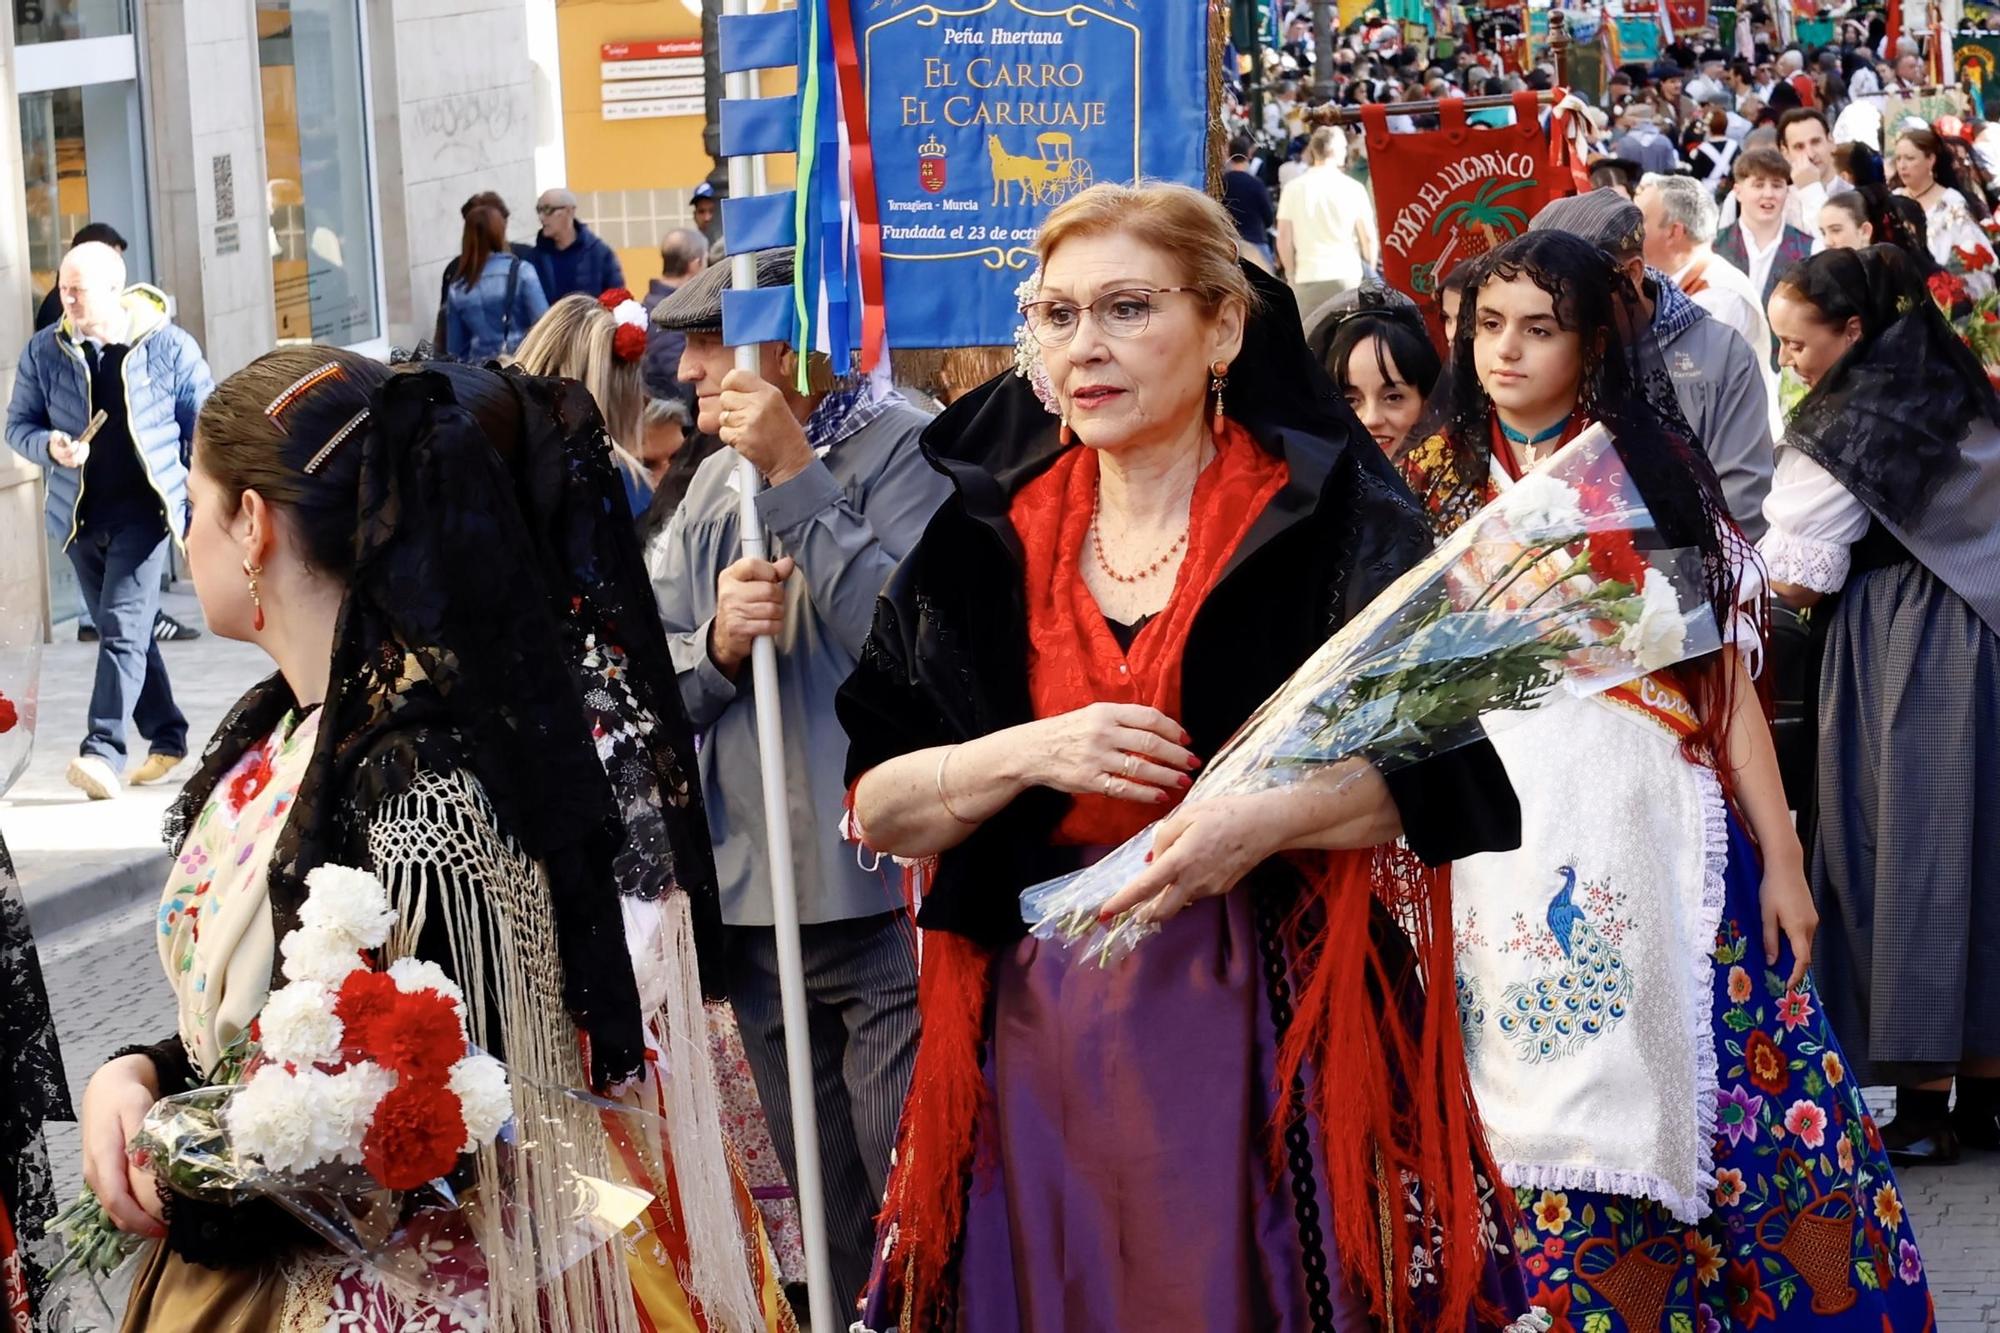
(1887, 419)
(450, 656)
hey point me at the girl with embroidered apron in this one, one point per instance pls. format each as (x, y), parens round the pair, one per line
(1652, 1067)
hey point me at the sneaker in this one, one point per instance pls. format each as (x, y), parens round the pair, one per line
(156, 767)
(86, 634)
(93, 777)
(168, 630)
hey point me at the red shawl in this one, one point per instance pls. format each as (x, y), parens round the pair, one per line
(1073, 661)
(1366, 1066)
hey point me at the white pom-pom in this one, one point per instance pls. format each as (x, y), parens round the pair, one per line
(415, 974)
(298, 1025)
(277, 1118)
(348, 902)
(315, 953)
(349, 1103)
(480, 1084)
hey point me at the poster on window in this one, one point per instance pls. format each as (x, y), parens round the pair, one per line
(985, 116)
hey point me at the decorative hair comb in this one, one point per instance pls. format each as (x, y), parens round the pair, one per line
(326, 450)
(299, 386)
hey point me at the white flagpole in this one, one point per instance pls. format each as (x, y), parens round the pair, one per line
(745, 181)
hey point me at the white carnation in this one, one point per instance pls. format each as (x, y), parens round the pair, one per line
(315, 953)
(348, 902)
(349, 1103)
(480, 1084)
(415, 974)
(1658, 638)
(298, 1025)
(1541, 509)
(280, 1119)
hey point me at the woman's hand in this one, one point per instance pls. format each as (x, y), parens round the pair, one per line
(1126, 751)
(1788, 909)
(1205, 850)
(114, 1105)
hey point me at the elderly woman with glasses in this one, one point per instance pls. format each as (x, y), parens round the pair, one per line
(1153, 527)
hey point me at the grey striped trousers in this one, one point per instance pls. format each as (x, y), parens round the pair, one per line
(861, 986)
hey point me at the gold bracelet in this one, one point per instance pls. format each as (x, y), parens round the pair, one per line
(944, 800)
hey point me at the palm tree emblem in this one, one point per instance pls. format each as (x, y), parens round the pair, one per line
(1482, 222)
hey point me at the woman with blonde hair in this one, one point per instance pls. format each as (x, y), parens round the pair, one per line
(1150, 532)
(601, 344)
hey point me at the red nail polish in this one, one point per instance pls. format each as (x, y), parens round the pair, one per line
(1149, 858)
(1186, 782)
(1104, 918)
(1163, 797)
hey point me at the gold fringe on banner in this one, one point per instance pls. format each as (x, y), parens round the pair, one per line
(1218, 142)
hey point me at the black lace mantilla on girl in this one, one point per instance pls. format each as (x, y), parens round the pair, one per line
(32, 1089)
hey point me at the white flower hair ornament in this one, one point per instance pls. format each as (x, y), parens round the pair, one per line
(1027, 352)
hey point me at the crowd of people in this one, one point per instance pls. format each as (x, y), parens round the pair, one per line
(502, 586)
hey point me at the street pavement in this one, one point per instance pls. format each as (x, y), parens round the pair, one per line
(92, 874)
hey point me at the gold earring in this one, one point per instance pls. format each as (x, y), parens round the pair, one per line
(251, 572)
(1218, 376)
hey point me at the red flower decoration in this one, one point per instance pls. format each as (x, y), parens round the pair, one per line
(252, 777)
(1766, 1063)
(1555, 1247)
(1947, 289)
(1748, 1301)
(629, 343)
(614, 297)
(1537, 1264)
(1556, 1301)
(415, 1136)
(1974, 257)
(9, 715)
(417, 1035)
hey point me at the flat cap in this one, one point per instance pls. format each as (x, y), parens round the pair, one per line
(1604, 217)
(696, 305)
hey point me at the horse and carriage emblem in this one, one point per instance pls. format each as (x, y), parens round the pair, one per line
(1052, 175)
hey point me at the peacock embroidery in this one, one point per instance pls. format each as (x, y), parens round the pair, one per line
(1585, 988)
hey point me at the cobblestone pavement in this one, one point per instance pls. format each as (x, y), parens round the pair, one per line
(105, 984)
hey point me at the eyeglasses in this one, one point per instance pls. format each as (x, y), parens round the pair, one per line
(1120, 314)
(544, 210)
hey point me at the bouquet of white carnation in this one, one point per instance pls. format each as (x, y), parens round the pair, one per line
(1550, 590)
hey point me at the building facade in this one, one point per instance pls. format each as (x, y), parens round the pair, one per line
(292, 170)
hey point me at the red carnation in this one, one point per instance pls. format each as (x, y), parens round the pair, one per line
(417, 1035)
(614, 297)
(629, 342)
(253, 778)
(363, 999)
(1947, 289)
(9, 715)
(415, 1135)
(1974, 257)
(1766, 1063)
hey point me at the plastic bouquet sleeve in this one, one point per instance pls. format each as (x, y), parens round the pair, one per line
(1558, 588)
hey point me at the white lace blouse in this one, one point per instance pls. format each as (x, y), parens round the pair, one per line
(1814, 521)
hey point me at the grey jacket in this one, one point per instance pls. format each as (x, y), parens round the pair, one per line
(1722, 394)
(847, 520)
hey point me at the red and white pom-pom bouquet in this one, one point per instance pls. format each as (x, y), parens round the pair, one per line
(365, 1110)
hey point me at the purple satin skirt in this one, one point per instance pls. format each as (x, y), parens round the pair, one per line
(1125, 1178)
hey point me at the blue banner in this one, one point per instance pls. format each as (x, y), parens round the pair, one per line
(984, 116)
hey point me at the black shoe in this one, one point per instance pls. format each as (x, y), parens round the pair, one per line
(1976, 1117)
(1922, 1133)
(86, 634)
(168, 630)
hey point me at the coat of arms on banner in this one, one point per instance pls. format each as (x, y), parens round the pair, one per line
(931, 164)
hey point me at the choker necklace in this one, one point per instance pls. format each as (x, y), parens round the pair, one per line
(1521, 437)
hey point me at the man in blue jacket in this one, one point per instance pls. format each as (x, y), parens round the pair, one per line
(117, 500)
(569, 256)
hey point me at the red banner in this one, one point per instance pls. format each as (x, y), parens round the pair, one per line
(1689, 15)
(1451, 194)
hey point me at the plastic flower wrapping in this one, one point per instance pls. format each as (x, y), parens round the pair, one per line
(361, 1107)
(1559, 588)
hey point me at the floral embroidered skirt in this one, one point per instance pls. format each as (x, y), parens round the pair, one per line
(1808, 1229)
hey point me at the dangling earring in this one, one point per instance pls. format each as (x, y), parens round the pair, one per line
(251, 572)
(1066, 435)
(1218, 376)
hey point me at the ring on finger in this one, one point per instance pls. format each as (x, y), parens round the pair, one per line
(1131, 765)
(1108, 780)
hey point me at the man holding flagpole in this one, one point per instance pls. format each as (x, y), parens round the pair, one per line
(847, 492)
